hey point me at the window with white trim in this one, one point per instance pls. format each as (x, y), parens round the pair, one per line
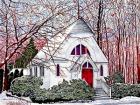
(79, 50)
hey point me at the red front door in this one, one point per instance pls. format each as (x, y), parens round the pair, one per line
(87, 75)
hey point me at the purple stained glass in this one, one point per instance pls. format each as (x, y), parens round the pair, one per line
(78, 49)
(83, 49)
(57, 70)
(85, 65)
(73, 52)
(89, 65)
(101, 70)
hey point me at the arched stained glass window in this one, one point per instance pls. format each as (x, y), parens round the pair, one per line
(87, 65)
(79, 50)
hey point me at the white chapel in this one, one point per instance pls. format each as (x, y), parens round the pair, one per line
(72, 54)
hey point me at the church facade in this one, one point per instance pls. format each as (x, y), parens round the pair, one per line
(73, 54)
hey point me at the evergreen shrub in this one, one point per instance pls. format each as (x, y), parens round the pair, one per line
(24, 86)
(14, 75)
(27, 55)
(120, 90)
(65, 91)
(117, 77)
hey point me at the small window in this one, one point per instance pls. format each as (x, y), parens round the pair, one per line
(101, 70)
(57, 70)
(41, 70)
(31, 72)
(35, 71)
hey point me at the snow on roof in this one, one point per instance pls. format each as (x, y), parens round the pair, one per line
(79, 29)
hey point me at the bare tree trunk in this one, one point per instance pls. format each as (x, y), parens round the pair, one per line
(100, 13)
(5, 84)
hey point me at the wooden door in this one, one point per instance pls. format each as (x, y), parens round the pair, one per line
(87, 74)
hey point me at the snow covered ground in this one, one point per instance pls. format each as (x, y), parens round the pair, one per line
(129, 100)
(124, 101)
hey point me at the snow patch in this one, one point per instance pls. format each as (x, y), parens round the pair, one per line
(110, 101)
(3, 96)
(125, 101)
(130, 98)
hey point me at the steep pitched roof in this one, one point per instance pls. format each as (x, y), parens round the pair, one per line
(79, 27)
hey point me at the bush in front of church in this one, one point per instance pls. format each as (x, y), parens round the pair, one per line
(120, 90)
(117, 77)
(24, 86)
(73, 90)
(66, 91)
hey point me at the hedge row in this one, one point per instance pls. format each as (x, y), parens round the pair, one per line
(66, 91)
(120, 90)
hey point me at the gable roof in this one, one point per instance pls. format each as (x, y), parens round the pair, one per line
(79, 27)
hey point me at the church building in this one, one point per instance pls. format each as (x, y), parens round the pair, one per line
(72, 54)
